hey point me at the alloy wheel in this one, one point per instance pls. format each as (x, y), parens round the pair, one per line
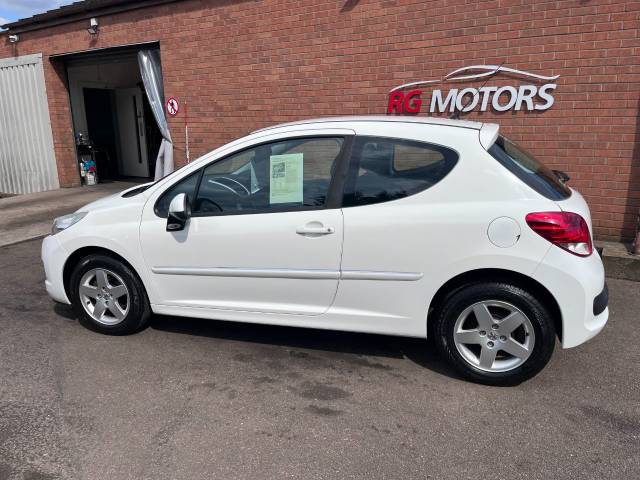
(104, 296)
(494, 336)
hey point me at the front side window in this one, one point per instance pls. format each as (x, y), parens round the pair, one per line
(186, 185)
(385, 169)
(291, 174)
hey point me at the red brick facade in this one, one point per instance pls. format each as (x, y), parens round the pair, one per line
(246, 64)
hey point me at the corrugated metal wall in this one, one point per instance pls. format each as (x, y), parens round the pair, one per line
(27, 157)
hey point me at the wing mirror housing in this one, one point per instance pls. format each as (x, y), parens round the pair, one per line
(179, 213)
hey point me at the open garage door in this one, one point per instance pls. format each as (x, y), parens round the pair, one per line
(27, 157)
(114, 122)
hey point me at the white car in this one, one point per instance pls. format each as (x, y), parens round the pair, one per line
(392, 225)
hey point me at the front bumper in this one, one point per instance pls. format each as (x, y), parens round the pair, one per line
(578, 285)
(54, 257)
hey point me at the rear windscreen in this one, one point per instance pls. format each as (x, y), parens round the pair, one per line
(525, 166)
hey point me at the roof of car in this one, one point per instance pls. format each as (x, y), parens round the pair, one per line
(383, 118)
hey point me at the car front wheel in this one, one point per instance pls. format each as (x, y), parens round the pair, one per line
(495, 333)
(108, 296)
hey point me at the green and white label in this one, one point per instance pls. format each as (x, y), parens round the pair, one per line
(286, 175)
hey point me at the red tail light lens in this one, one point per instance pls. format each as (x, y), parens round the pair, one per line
(567, 230)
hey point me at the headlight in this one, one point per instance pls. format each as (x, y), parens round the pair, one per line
(64, 222)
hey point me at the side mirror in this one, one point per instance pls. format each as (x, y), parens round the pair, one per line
(179, 213)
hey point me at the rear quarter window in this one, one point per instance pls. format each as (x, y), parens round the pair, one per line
(385, 169)
(528, 169)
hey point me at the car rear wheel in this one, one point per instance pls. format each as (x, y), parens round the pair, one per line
(495, 333)
(108, 296)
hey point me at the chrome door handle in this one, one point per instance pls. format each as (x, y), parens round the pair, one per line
(315, 230)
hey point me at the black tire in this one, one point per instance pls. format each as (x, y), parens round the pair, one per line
(462, 298)
(139, 311)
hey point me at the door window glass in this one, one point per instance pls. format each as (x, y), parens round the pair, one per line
(384, 169)
(187, 185)
(287, 175)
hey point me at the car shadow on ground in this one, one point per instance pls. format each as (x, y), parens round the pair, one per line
(419, 351)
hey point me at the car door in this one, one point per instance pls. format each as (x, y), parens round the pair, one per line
(265, 234)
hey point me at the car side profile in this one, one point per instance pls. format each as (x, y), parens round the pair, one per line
(409, 226)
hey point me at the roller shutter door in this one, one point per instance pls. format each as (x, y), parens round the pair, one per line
(27, 157)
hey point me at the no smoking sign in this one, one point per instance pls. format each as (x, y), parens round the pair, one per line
(172, 107)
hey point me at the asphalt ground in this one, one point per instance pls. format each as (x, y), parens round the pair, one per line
(193, 399)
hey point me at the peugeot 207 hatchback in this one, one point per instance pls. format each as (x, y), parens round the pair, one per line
(400, 226)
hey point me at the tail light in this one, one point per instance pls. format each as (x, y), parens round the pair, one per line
(567, 230)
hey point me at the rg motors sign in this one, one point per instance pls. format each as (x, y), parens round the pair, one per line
(407, 98)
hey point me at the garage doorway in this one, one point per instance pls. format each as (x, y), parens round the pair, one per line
(112, 120)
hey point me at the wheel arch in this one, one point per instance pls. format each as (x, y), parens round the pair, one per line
(484, 275)
(81, 253)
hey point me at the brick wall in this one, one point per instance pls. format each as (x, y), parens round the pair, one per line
(246, 64)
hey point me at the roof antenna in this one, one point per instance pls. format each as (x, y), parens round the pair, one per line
(456, 114)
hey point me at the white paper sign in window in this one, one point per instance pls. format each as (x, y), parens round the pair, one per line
(286, 178)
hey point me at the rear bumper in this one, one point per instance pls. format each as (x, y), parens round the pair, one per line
(54, 257)
(601, 302)
(578, 285)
